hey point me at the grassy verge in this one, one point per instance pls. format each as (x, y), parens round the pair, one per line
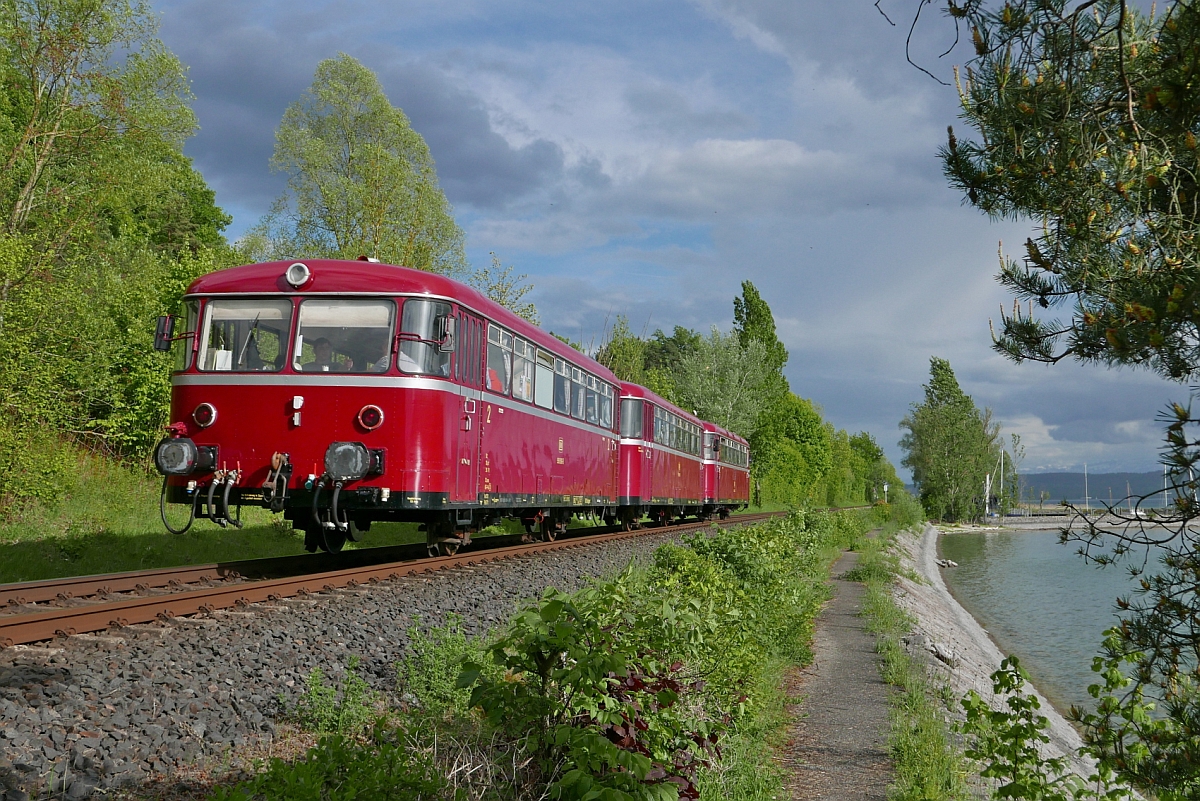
(928, 764)
(660, 683)
(105, 519)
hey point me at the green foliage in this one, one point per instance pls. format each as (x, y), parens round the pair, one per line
(723, 381)
(326, 709)
(1086, 124)
(792, 452)
(1006, 743)
(104, 223)
(342, 768)
(606, 684)
(624, 353)
(431, 669)
(951, 447)
(753, 322)
(500, 285)
(360, 180)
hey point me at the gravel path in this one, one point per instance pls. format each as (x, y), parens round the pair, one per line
(838, 746)
(102, 712)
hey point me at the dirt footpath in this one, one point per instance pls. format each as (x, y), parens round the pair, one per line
(837, 746)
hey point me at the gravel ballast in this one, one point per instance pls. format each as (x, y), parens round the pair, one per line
(113, 711)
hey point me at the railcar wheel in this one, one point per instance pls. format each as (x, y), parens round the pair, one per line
(723, 514)
(450, 548)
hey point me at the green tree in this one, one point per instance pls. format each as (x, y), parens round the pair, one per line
(361, 181)
(721, 380)
(793, 452)
(624, 353)
(754, 322)
(499, 284)
(950, 446)
(105, 222)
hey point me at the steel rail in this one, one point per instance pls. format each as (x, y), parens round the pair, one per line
(17, 629)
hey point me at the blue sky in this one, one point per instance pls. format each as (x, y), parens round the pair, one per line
(644, 158)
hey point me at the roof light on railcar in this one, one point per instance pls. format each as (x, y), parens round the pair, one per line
(205, 415)
(298, 274)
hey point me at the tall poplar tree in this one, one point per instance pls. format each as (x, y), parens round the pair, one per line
(950, 446)
(361, 181)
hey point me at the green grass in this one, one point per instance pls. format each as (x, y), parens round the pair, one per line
(107, 521)
(929, 765)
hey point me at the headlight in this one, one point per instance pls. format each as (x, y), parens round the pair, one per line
(180, 457)
(348, 461)
(205, 415)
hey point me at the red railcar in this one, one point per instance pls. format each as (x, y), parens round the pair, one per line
(343, 392)
(661, 469)
(726, 471)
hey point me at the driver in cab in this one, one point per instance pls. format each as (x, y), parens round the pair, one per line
(323, 363)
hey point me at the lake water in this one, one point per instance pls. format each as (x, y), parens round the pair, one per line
(1040, 602)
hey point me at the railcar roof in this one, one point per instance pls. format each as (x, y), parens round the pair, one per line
(629, 390)
(724, 432)
(336, 276)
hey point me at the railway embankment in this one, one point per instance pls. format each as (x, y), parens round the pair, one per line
(957, 649)
(158, 702)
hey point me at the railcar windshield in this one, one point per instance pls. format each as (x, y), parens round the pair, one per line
(421, 332)
(344, 336)
(245, 335)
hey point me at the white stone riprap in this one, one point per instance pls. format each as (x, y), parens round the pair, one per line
(958, 649)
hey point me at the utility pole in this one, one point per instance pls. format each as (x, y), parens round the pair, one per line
(1086, 508)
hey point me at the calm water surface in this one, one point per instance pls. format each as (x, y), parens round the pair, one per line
(1040, 602)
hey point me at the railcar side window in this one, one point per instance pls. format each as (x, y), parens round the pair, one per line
(419, 337)
(562, 387)
(245, 335)
(184, 346)
(606, 406)
(710, 446)
(578, 394)
(344, 336)
(499, 360)
(522, 370)
(592, 405)
(631, 418)
(543, 386)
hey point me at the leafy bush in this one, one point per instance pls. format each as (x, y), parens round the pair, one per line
(1006, 743)
(625, 688)
(341, 768)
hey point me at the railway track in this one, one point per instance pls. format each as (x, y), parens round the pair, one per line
(42, 610)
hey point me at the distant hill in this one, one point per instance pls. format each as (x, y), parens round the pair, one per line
(1070, 485)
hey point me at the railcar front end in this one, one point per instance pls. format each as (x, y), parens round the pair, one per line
(661, 469)
(726, 471)
(342, 393)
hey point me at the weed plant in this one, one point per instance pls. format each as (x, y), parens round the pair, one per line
(656, 684)
(326, 709)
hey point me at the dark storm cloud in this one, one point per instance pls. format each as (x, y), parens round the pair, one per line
(245, 74)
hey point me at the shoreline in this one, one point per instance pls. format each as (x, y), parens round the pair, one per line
(959, 651)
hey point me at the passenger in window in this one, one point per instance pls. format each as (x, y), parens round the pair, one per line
(323, 361)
